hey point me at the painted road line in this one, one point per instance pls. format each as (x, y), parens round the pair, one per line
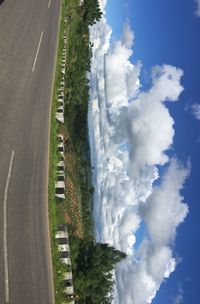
(36, 56)
(5, 242)
(49, 4)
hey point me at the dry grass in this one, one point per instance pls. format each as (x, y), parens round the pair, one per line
(70, 163)
(74, 205)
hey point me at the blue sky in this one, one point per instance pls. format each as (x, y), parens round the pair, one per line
(168, 32)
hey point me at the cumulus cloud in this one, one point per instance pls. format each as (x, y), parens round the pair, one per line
(121, 76)
(153, 262)
(196, 110)
(138, 281)
(164, 207)
(131, 132)
(149, 124)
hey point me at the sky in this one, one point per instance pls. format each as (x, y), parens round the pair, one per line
(144, 126)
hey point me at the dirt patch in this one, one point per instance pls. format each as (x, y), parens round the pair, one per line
(67, 218)
(74, 204)
(70, 163)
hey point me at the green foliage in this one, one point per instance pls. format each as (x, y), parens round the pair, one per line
(93, 12)
(58, 268)
(93, 272)
(79, 53)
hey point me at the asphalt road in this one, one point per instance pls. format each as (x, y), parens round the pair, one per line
(28, 33)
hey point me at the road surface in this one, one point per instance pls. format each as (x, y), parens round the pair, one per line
(28, 34)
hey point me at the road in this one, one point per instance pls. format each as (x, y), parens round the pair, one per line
(28, 34)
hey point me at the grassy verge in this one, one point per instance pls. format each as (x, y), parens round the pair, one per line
(54, 216)
(77, 163)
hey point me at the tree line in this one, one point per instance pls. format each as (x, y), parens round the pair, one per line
(93, 272)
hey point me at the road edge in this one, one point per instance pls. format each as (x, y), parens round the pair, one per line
(48, 149)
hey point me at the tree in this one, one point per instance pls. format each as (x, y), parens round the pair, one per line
(92, 11)
(94, 265)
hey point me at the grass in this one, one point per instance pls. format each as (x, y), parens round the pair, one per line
(76, 210)
(54, 215)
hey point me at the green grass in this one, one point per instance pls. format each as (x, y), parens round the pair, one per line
(76, 108)
(54, 216)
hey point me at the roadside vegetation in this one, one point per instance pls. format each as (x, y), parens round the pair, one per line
(92, 263)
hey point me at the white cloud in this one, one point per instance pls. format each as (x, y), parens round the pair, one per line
(130, 133)
(148, 122)
(102, 4)
(127, 36)
(121, 76)
(196, 110)
(178, 299)
(163, 211)
(164, 207)
(138, 281)
(197, 7)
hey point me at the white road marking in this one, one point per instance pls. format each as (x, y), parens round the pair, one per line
(36, 56)
(49, 4)
(5, 242)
